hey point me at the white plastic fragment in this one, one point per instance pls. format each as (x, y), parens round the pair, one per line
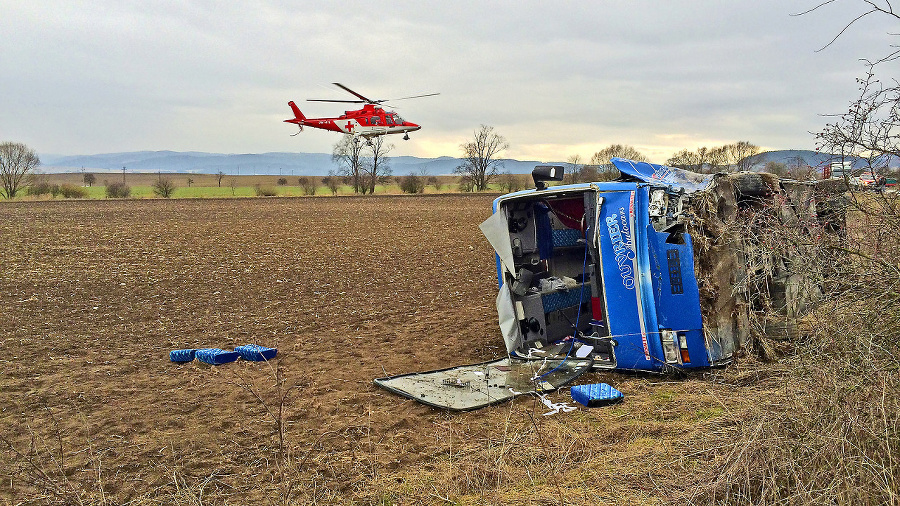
(556, 407)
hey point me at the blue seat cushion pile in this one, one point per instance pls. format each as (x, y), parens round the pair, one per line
(218, 356)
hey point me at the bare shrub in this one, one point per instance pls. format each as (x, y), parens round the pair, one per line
(164, 187)
(510, 182)
(309, 185)
(411, 183)
(264, 191)
(282, 181)
(118, 191)
(42, 188)
(71, 191)
(465, 185)
(332, 182)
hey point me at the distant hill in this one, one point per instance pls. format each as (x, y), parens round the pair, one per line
(318, 164)
(296, 164)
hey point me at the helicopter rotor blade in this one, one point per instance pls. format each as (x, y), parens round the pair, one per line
(338, 101)
(416, 96)
(365, 100)
(357, 95)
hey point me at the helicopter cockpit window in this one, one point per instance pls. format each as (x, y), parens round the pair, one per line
(390, 119)
(398, 119)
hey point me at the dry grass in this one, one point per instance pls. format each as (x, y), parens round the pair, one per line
(830, 430)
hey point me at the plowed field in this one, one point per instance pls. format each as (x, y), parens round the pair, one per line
(93, 295)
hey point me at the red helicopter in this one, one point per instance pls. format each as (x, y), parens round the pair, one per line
(370, 121)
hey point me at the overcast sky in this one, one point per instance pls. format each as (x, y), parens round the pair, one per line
(554, 78)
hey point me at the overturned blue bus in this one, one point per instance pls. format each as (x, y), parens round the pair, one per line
(603, 270)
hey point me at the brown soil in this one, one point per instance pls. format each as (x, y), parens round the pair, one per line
(95, 294)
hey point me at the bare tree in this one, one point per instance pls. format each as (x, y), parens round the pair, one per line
(574, 174)
(16, 162)
(348, 155)
(601, 160)
(480, 164)
(875, 7)
(717, 158)
(219, 176)
(871, 127)
(582, 172)
(741, 153)
(684, 159)
(702, 158)
(89, 178)
(376, 168)
(604, 156)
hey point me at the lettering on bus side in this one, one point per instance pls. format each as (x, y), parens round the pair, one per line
(622, 247)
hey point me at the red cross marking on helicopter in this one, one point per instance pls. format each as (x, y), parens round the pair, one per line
(349, 126)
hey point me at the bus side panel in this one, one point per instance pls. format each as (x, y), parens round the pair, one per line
(676, 292)
(620, 271)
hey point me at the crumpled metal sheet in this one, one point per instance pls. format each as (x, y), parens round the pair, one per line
(676, 179)
(469, 387)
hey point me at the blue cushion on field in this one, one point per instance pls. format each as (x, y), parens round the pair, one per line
(595, 395)
(216, 356)
(182, 355)
(256, 353)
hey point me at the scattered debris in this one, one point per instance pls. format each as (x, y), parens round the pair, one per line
(555, 407)
(217, 356)
(475, 386)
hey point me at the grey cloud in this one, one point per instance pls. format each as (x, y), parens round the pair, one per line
(212, 76)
